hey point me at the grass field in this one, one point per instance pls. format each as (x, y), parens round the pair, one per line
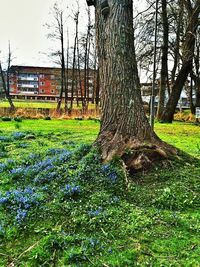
(37, 104)
(59, 206)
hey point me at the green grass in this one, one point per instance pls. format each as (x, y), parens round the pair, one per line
(81, 213)
(36, 104)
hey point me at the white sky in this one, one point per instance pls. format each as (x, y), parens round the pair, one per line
(22, 22)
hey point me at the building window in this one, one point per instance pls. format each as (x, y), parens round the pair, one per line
(42, 91)
(42, 83)
(52, 77)
(52, 91)
(41, 75)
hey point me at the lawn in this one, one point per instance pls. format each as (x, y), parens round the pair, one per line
(37, 104)
(60, 206)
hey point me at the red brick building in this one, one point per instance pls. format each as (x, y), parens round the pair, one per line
(44, 83)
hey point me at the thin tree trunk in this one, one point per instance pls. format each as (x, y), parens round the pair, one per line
(63, 78)
(177, 42)
(164, 61)
(192, 106)
(73, 77)
(12, 107)
(67, 76)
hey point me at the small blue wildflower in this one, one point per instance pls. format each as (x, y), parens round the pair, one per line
(22, 145)
(3, 167)
(10, 162)
(55, 151)
(3, 200)
(110, 250)
(93, 242)
(2, 230)
(21, 215)
(106, 168)
(71, 190)
(18, 172)
(110, 173)
(4, 138)
(112, 177)
(18, 135)
(94, 213)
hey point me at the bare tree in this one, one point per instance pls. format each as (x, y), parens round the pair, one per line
(6, 80)
(58, 34)
(188, 46)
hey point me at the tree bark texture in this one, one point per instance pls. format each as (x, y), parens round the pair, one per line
(188, 54)
(124, 125)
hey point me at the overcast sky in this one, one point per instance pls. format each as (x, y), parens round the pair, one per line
(22, 22)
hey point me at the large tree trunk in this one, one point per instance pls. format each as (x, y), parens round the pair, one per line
(124, 125)
(188, 54)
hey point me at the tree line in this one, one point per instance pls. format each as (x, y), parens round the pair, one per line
(178, 46)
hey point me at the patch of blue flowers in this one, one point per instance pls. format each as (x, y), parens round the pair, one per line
(22, 145)
(18, 135)
(17, 173)
(3, 167)
(95, 213)
(7, 165)
(2, 230)
(20, 201)
(110, 173)
(44, 170)
(54, 151)
(5, 138)
(71, 190)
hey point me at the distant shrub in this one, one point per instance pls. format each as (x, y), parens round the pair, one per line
(48, 118)
(6, 119)
(18, 119)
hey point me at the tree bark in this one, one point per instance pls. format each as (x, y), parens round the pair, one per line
(124, 125)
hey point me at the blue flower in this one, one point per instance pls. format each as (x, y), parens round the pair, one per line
(3, 167)
(4, 138)
(3, 200)
(18, 172)
(71, 190)
(21, 215)
(18, 135)
(2, 230)
(94, 213)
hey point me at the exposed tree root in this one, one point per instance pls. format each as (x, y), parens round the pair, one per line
(135, 154)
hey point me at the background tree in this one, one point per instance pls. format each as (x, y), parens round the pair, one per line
(164, 60)
(188, 46)
(5, 78)
(57, 33)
